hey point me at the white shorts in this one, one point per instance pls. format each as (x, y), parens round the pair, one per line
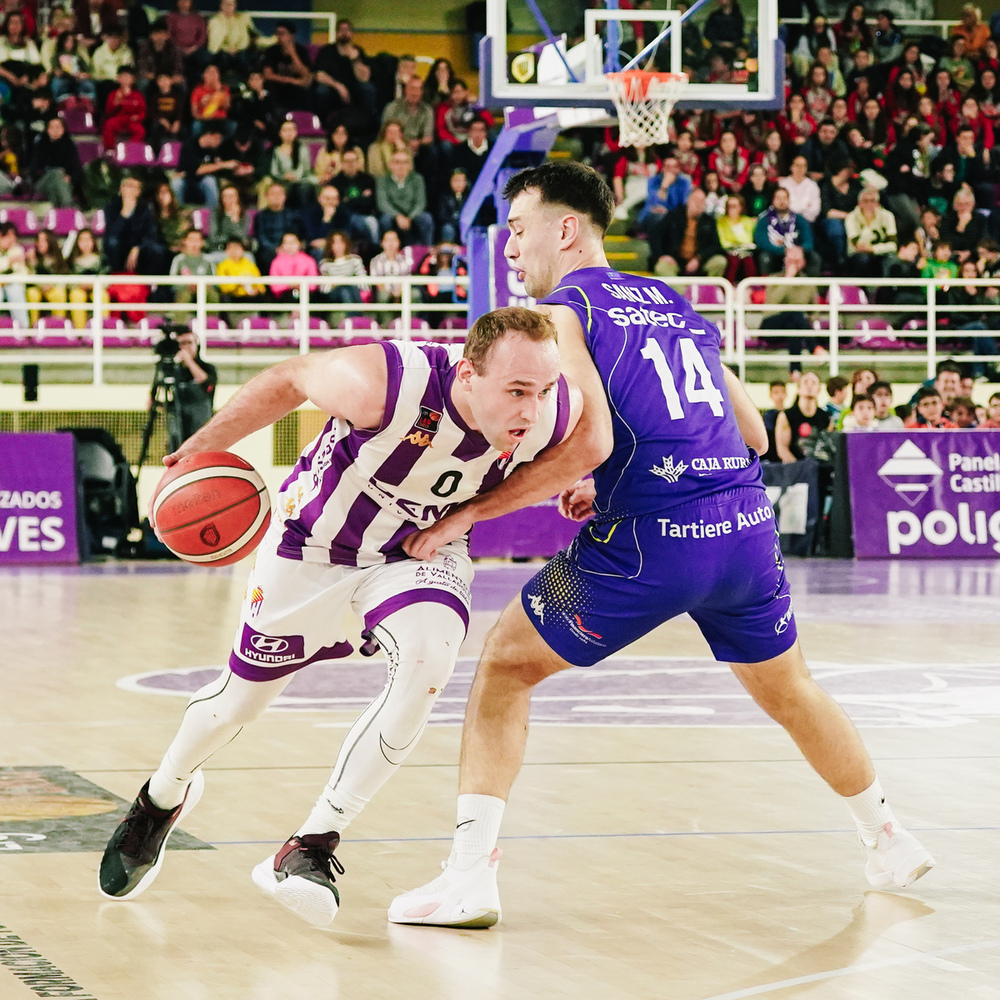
(293, 611)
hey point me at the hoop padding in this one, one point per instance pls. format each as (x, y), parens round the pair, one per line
(644, 101)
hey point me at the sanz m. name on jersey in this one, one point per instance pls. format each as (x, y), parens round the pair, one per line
(675, 433)
(356, 494)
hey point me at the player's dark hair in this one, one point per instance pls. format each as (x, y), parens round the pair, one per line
(571, 184)
(493, 326)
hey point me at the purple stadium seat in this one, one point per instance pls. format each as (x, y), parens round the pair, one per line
(54, 332)
(416, 331)
(25, 220)
(97, 222)
(63, 221)
(454, 323)
(114, 332)
(88, 150)
(705, 295)
(875, 335)
(170, 155)
(11, 335)
(133, 154)
(261, 331)
(848, 295)
(201, 219)
(306, 122)
(358, 323)
(78, 121)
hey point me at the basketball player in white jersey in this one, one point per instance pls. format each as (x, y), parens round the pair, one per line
(414, 429)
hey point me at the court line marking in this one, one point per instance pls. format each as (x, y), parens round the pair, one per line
(625, 836)
(850, 970)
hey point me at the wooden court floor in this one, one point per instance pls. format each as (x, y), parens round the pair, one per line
(663, 841)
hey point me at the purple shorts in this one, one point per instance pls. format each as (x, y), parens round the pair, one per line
(717, 559)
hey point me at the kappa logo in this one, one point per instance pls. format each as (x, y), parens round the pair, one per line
(781, 625)
(537, 607)
(910, 472)
(669, 471)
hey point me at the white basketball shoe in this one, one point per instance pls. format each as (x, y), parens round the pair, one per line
(897, 859)
(455, 898)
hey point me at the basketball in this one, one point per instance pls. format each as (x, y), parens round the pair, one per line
(211, 508)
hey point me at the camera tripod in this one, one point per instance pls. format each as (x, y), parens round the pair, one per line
(163, 395)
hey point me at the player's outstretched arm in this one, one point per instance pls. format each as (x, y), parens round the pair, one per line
(587, 444)
(349, 383)
(748, 417)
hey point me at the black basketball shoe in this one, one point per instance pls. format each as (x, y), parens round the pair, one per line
(300, 877)
(134, 853)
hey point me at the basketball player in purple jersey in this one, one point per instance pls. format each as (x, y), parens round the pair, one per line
(681, 524)
(413, 429)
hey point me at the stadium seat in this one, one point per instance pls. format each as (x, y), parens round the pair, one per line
(78, 121)
(133, 154)
(63, 221)
(307, 123)
(97, 222)
(11, 335)
(87, 151)
(201, 219)
(170, 156)
(114, 333)
(705, 295)
(262, 331)
(417, 329)
(55, 332)
(358, 323)
(875, 335)
(24, 218)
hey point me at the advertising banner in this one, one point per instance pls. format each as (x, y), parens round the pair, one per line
(535, 532)
(506, 289)
(37, 499)
(923, 494)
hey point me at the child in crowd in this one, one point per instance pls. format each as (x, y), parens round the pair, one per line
(125, 114)
(340, 261)
(838, 389)
(863, 412)
(992, 411)
(191, 261)
(390, 262)
(963, 413)
(929, 413)
(236, 264)
(84, 260)
(166, 112)
(293, 262)
(940, 265)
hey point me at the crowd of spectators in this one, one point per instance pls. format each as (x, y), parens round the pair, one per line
(383, 187)
(865, 403)
(883, 161)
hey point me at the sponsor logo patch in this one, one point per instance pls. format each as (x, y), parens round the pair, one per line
(270, 650)
(669, 471)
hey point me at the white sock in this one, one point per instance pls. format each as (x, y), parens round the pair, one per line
(476, 829)
(168, 785)
(333, 811)
(870, 812)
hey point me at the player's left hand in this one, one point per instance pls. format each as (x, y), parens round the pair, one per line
(576, 503)
(424, 544)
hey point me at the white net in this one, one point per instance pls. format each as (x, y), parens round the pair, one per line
(644, 102)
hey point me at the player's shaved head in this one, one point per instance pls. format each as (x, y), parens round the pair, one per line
(493, 326)
(579, 188)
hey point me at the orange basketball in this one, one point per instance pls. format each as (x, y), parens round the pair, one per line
(211, 508)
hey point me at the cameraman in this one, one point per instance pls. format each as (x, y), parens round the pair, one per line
(193, 382)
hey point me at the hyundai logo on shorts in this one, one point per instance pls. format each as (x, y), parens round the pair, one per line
(270, 649)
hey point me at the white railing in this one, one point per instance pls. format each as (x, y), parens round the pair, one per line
(845, 318)
(941, 27)
(55, 342)
(904, 333)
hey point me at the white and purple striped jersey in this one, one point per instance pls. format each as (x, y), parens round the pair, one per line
(355, 494)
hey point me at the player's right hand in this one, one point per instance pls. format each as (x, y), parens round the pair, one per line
(576, 503)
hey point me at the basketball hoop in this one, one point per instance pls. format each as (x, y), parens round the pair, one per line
(644, 101)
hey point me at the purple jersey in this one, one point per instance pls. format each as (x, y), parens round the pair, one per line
(676, 439)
